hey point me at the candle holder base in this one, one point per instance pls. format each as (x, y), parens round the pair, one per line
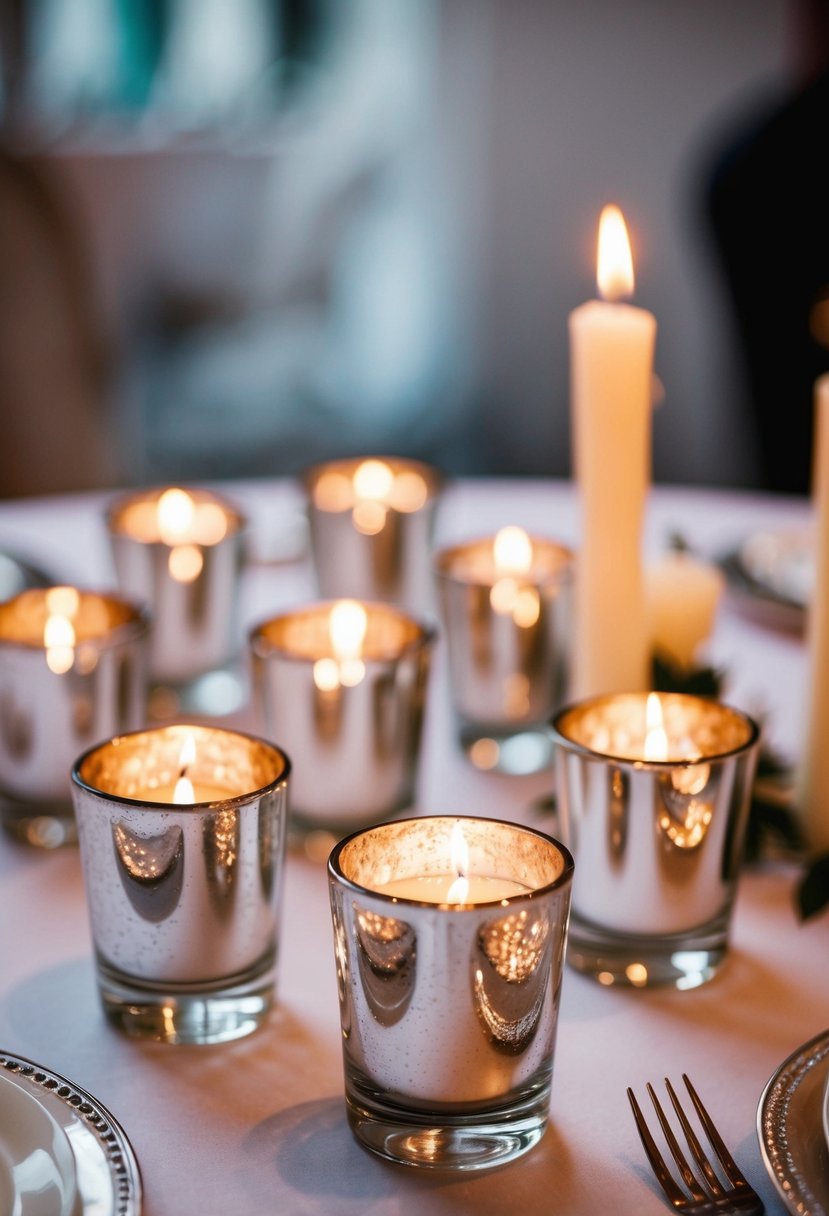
(519, 751)
(679, 960)
(180, 1013)
(44, 825)
(453, 1140)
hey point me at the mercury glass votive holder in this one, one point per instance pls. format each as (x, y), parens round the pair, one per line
(449, 938)
(653, 793)
(371, 522)
(181, 831)
(506, 607)
(73, 668)
(347, 705)
(180, 551)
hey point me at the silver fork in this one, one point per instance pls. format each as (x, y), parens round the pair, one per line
(707, 1196)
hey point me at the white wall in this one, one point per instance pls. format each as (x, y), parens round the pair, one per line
(578, 104)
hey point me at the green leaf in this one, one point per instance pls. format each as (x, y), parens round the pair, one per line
(813, 892)
(667, 676)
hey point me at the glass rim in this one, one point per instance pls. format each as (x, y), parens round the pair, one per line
(264, 648)
(639, 763)
(187, 807)
(137, 624)
(336, 873)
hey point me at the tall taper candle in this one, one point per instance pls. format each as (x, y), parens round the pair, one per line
(813, 776)
(611, 352)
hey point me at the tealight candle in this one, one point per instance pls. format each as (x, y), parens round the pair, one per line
(72, 669)
(653, 793)
(612, 388)
(181, 830)
(682, 594)
(343, 683)
(371, 522)
(180, 551)
(505, 602)
(456, 887)
(449, 940)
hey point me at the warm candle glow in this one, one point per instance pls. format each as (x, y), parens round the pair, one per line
(459, 857)
(347, 628)
(175, 511)
(184, 794)
(409, 492)
(614, 273)
(512, 551)
(347, 624)
(373, 479)
(656, 739)
(512, 556)
(58, 631)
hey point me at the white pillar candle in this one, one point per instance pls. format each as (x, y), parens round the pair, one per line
(682, 594)
(813, 776)
(611, 350)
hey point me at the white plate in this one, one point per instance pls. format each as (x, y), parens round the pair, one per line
(772, 574)
(790, 1129)
(37, 1168)
(102, 1164)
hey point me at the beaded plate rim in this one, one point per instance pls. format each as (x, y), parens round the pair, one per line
(97, 1120)
(786, 1162)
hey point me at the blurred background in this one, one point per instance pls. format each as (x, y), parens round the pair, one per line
(239, 236)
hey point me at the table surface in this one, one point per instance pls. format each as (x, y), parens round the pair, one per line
(259, 1125)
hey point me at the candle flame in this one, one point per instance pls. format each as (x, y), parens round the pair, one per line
(58, 631)
(512, 551)
(459, 859)
(656, 740)
(174, 511)
(614, 273)
(347, 624)
(373, 479)
(184, 793)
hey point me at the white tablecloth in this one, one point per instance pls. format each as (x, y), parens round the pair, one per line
(259, 1126)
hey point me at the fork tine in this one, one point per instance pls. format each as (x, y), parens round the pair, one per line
(688, 1176)
(696, 1148)
(663, 1175)
(732, 1170)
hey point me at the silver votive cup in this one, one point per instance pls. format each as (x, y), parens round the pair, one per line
(508, 641)
(183, 887)
(449, 1009)
(180, 551)
(72, 669)
(653, 794)
(371, 522)
(351, 721)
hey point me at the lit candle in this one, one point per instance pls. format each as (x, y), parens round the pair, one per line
(180, 551)
(448, 990)
(344, 682)
(611, 347)
(72, 668)
(181, 831)
(457, 887)
(682, 595)
(371, 522)
(653, 794)
(177, 765)
(813, 773)
(506, 602)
